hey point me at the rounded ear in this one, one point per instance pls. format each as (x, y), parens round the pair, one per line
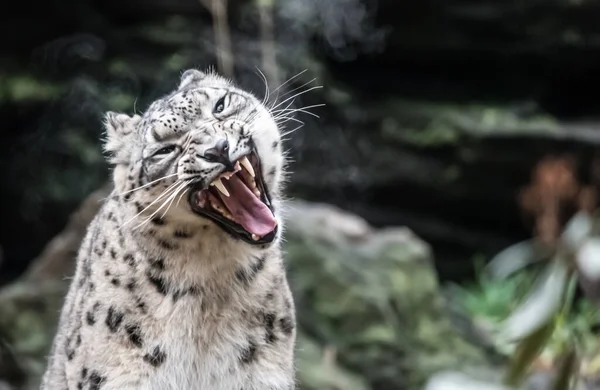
(119, 130)
(191, 76)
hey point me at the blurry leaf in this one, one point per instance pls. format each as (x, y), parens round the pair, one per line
(513, 258)
(542, 303)
(588, 258)
(527, 350)
(577, 229)
(453, 380)
(567, 371)
(591, 288)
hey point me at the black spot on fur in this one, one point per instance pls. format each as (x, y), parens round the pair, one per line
(158, 264)
(90, 316)
(246, 275)
(275, 144)
(127, 197)
(130, 285)
(113, 253)
(178, 294)
(159, 283)
(114, 318)
(84, 372)
(96, 380)
(287, 325)
(79, 385)
(248, 354)
(129, 259)
(259, 265)
(182, 234)
(138, 207)
(269, 327)
(106, 272)
(142, 306)
(135, 335)
(195, 290)
(156, 357)
(192, 291)
(115, 282)
(166, 244)
(158, 221)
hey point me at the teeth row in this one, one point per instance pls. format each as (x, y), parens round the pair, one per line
(220, 207)
(227, 175)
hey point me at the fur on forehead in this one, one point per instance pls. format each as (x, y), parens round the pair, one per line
(121, 129)
(193, 78)
(121, 133)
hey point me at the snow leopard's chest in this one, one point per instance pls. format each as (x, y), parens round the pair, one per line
(209, 351)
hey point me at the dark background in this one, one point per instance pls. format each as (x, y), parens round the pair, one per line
(436, 111)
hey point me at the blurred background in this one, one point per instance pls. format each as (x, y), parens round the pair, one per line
(444, 177)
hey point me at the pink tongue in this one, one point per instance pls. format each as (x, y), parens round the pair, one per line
(248, 210)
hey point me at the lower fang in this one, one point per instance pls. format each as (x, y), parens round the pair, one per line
(255, 237)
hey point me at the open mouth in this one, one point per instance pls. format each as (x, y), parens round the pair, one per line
(238, 202)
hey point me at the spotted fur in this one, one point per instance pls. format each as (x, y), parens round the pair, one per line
(163, 299)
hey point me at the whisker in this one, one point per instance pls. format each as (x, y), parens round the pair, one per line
(296, 95)
(289, 119)
(291, 131)
(172, 197)
(267, 94)
(285, 108)
(297, 88)
(148, 184)
(288, 81)
(162, 194)
(148, 219)
(301, 109)
(183, 193)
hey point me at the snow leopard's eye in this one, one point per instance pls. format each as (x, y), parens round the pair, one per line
(220, 106)
(166, 150)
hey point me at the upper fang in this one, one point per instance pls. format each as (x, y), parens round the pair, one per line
(246, 163)
(217, 183)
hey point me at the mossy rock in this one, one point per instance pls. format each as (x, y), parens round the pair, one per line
(370, 314)
(373, 297)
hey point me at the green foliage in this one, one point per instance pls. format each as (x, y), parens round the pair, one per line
(530, 307)
(492, 300)
(429, 124)
(20, 88)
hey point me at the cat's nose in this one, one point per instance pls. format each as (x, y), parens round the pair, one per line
(219, 154)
